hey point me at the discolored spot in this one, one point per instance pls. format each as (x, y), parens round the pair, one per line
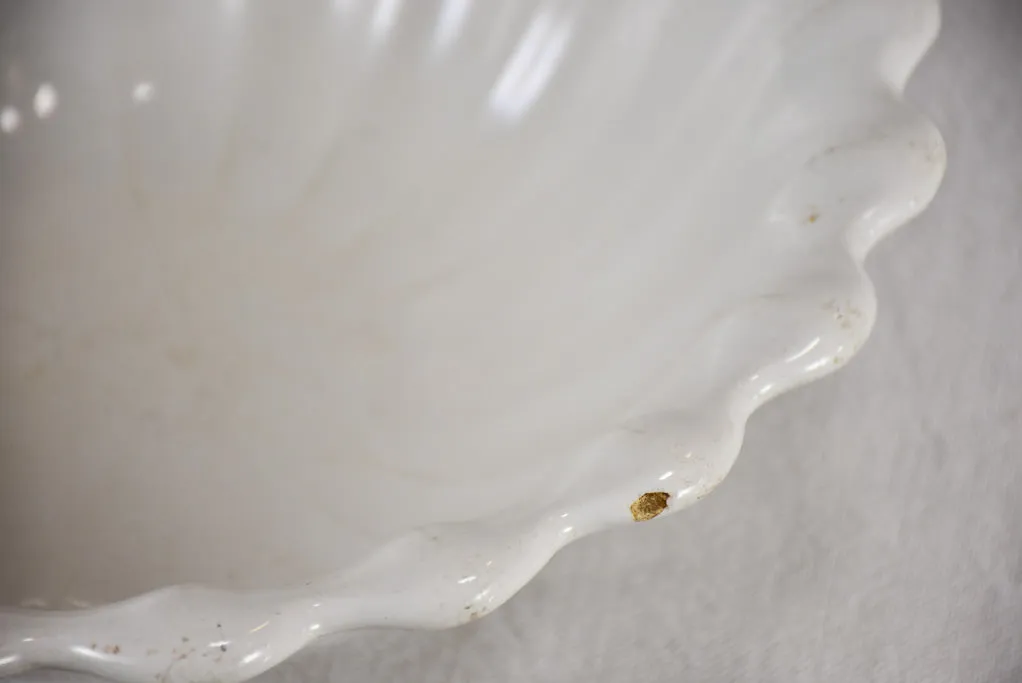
(649, 505)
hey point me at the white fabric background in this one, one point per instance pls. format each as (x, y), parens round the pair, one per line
(872, 527)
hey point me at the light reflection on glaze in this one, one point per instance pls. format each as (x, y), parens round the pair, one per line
(453, 14)
(531, 66)
(260, 627)
(251, 657)
(143, 92)
(10, 119)
(817, 364)
(45, 101)
(384, 18)
(808, 347)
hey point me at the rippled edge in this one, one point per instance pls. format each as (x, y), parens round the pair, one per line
(462, 571)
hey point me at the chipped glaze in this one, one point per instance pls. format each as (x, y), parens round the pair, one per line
(649, 505)
(351, 314)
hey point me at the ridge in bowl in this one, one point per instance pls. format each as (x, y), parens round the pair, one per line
(351, 314)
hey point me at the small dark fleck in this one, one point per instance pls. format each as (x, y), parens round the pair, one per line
(223, 648)
(184, 639)
(218, 625)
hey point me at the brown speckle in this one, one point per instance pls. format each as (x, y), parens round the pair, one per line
(649, 505)
(813, 217)
(112, 649)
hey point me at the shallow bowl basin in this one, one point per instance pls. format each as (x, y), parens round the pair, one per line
(316, 316)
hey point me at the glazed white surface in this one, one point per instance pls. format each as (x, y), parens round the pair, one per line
(725, 267)
(871, 529)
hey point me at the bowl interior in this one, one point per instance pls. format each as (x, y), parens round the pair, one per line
(279, 283)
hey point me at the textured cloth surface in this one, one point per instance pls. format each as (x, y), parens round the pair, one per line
(872, 527)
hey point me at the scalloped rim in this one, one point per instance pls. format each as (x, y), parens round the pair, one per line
(462, 571)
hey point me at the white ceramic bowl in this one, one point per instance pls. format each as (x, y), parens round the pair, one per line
(318, 316)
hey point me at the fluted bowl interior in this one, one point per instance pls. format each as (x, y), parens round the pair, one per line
(283, 283)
